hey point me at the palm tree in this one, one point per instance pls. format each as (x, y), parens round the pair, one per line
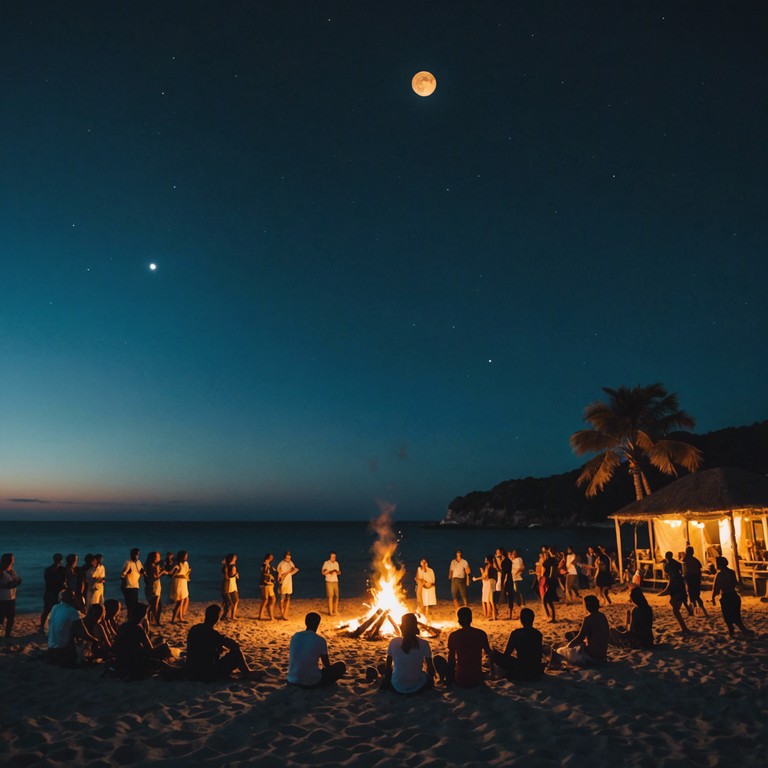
(630, 427)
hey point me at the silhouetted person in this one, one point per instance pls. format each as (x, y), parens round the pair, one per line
(464, 666)
(53, 577)
(9, 581)
(675, 589)
(521, 659)
(638, 632)
(551, 581)
(590, 644)
(134, 655)
(692, 576)
(603, 574)
(308, 662)
(210, 655)
(730, 601)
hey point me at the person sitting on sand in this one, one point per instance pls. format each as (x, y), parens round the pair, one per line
(407, 658)
(675, 589)
(638, 632)
(53, 577)
(95, 623)
(521, 659)
(134, 655)
(464, 666)
(210, 655)
(730, 601)
(305, 651)
(286, 569)
(590, 644)
(65, 626)
(112, 610)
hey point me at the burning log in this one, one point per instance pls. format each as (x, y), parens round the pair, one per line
(429, 629)
(373, 632)
(394, 624)
(367, 623)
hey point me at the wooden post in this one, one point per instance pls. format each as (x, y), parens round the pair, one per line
(765, 532)
(652, 543)
(734, 547)
(618, 545)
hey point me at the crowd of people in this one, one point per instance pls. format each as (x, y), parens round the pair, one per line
(84, 627)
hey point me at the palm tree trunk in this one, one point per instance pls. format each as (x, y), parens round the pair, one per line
(638, 481)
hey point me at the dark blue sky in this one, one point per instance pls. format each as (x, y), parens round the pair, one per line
(362, 293)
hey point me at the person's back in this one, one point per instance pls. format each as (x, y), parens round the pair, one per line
(596, 631)
(526, 643)
(63, 616)
(131, 649)
(641, 626)
(203, 650)
(305, 651)
(468, 644)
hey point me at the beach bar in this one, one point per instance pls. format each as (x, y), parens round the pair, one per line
(721, 511)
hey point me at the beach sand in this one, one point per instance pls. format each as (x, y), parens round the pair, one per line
(697, 701)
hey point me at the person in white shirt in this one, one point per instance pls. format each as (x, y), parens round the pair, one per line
(426, 594)
(458, 573)
(518, 571)
(332, 570)
(286, 568)
(409, 667)
(64, 625)
(307, 649)
(131, 574)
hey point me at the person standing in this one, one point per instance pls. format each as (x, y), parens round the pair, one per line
(425, 586)
(307, 649)
(152, 587)
(603, 575)
(53, 577)
(286, 568)
(71, 579)
(267, 587)
(518, 572)
(692, 576)
(550, 581)
(131, 574)
(675, 589)
(95, 577)
(486, 577)
(332, 570)
(229, 592)
(180, 574)
(730, 600)
(571, 575)
(9, 581)
(458, 575)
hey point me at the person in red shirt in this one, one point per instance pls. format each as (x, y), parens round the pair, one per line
(464, 666)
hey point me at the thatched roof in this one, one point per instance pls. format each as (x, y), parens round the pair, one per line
(703, 495)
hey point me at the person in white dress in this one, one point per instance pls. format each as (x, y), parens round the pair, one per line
(94, 579)
(180, 587)
(426, 592)
(286, 568)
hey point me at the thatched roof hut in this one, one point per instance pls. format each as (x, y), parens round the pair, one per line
(723, 503)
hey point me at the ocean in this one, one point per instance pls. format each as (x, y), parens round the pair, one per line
(33, 544)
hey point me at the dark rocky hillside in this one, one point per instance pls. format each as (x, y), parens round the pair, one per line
(556, 501)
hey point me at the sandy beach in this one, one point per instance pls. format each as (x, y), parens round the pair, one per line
(696, 701)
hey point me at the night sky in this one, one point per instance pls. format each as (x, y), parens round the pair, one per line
(361, 293)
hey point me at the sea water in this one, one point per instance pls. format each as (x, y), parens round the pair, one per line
(34, 543)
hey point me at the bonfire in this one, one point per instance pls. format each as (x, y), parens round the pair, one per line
(387, 604)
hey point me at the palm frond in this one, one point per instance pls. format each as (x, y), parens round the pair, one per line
(591, 441)
(597, 472)
(643, 441)
(665, 454)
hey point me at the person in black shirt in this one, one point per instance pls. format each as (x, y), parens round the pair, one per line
(54, 583)
(638, 633)
(521, 659)
(210, 655)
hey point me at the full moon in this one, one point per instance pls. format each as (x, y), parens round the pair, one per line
(153, 267)
(424, 83)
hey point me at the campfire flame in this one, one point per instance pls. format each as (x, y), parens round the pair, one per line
(387, 606)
